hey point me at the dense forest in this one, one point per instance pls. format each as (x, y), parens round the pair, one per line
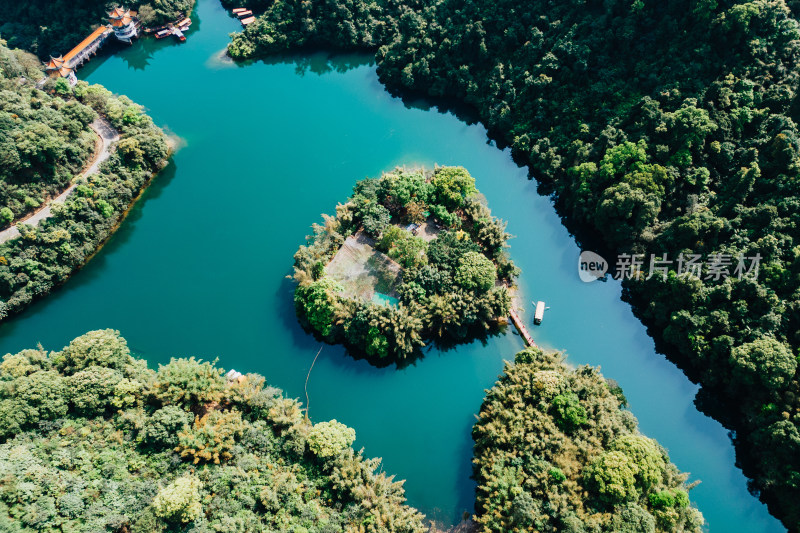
(93, 440)
(666, 129)
(426, 245)
(555, 450)
(44, 140)
(35, 129)
(53, 27)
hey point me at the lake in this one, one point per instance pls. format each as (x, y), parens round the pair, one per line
(200, 265)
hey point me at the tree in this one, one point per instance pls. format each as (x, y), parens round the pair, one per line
(188, 383)
(62, 87)
(646, 457)
(475, 272)
(97, 348)
(375, 218)
(92, 389)
(6, 216)
(612, 477)
(567, 409)
(163, 426)
(317, 302)
(45, 391)
(211, 438)
(329, 439)
(764, 362)
(452, 185)
(180, 500)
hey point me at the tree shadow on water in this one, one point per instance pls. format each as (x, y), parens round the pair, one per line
(317, 61)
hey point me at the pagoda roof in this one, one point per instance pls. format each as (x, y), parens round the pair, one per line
(85, 43)
(119, 12)
(54, 63)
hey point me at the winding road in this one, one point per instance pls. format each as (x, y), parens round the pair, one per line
(108, 135)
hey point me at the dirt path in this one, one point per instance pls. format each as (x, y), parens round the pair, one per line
(107, 135)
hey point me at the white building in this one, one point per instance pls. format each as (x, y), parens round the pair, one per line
(124, 24)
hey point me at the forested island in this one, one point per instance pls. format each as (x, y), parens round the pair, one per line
(556, 450)
(659, 128)
(44, 140)
(94, 440)
(411, 256)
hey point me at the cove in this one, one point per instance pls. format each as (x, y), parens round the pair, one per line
(199, 266)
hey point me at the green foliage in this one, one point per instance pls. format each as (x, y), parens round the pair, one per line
(318, 304)
(452, 185)
(188, 383)
(329, 439)
(211, 437)
(402, 246)
(91, 390)
(449, 247)
(163, 426)
(568, 411)
(475, 272)
(179, 501)
(97, 348)
(765, 362)
(245, 468)
(612, 477)
(554, 451)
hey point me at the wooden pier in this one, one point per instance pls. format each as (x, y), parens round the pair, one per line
(521, 328)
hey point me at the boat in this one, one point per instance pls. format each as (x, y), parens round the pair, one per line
(238, 10)
(539, 313)
(179, 34)
(244, 14)
(160, 34)
(248, 20)
(184, 24)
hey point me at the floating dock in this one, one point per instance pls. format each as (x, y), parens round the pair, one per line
(521, 328)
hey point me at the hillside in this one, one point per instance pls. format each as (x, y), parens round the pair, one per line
(92, 440)
(555, 450)
(44, 141)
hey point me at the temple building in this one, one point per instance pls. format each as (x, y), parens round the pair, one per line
(64, 67)
(124, 24)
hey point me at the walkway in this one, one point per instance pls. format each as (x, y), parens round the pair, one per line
(522, 329)
(107, 135)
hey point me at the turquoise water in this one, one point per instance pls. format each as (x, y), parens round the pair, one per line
(199, 266)
(383, 299)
